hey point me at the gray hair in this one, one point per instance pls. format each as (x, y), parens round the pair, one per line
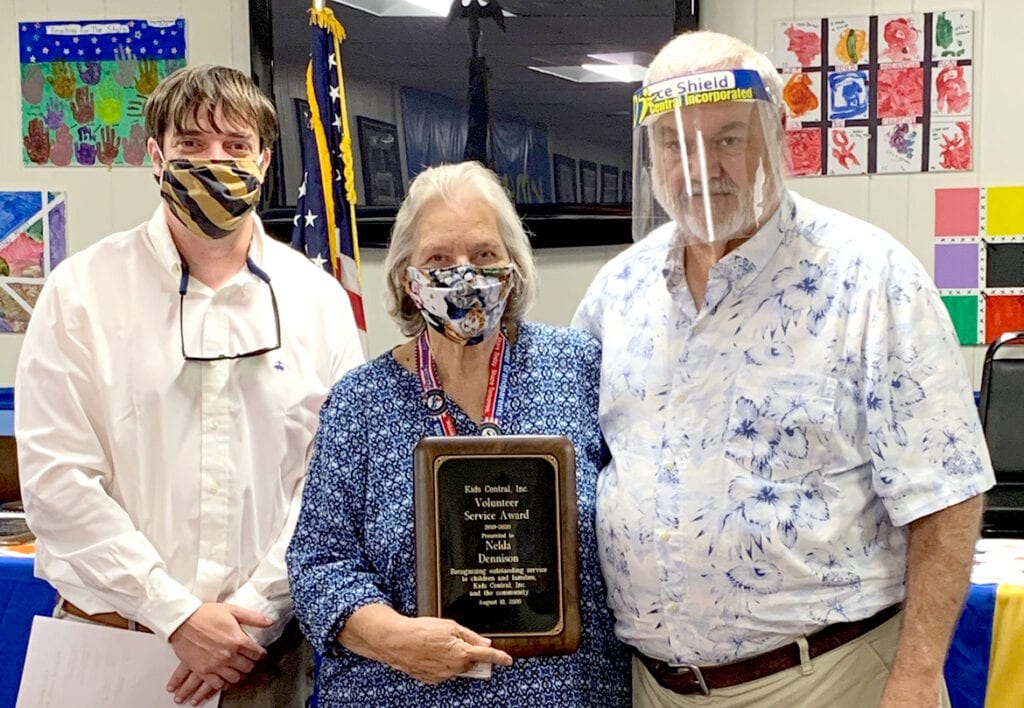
(693, 52)
(448, 183)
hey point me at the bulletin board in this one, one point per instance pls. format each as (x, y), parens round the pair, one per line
(878, 94)
(979, 260)
(84, 84)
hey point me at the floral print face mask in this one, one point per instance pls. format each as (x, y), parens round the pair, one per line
(465, 303)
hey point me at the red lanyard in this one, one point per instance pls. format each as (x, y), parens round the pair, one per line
(433, 394)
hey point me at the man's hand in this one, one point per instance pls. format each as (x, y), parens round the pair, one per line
(212, 644)
(186, 685)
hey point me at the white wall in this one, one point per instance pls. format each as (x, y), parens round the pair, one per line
(102, 201)
(904, 204)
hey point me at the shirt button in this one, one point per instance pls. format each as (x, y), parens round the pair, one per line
(214, 425)
(665, 535)
(213, 488)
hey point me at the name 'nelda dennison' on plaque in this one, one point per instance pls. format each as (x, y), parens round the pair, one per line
(496, 547)
(498, 518)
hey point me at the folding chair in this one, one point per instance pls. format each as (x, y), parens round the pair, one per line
(1001, 408)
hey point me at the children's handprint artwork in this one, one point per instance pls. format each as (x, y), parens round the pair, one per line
(84, 84)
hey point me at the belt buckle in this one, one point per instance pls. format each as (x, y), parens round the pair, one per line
(695, 670)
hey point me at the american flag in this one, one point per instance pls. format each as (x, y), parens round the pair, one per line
(325, 212)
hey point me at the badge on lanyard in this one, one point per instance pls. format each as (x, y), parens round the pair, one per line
(433, 394)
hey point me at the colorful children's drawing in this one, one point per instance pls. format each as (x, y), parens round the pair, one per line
(953, 34)
(803, 149)
(32, 243)
(951, 94)
(902, 38)
(847, 95)
(848, 151)
(899, 147)
(848, 40)
(950, 147)
(83, 86)
(800, 94)
(900, 92)
(798, 43)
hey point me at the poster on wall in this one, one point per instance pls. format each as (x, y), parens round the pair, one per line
(32, 242)
(83, 86)
(979, 260)
(878, 94)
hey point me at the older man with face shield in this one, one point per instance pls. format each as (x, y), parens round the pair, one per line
(790, 510)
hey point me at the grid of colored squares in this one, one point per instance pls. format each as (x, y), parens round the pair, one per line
(979, 260)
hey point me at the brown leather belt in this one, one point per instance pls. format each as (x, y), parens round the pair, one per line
(111, 619)
(701, 679)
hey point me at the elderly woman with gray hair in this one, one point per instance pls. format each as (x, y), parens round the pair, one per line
(460, 278)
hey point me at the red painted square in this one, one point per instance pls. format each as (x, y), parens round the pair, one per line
(957, 211)
(1003, 313)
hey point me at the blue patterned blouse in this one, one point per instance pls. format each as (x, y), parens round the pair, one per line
(354, 542)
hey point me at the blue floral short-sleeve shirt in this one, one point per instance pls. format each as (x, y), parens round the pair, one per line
(768, 450)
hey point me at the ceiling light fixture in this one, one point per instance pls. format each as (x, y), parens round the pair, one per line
(624, 67)
(409, 8)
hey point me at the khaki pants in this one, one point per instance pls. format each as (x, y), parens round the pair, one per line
(850, 676)
(282, 679)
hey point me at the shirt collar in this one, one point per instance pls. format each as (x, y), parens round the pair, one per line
(737, 269)
(158, 236)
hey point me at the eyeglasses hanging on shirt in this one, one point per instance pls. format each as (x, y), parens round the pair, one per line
(183, 288)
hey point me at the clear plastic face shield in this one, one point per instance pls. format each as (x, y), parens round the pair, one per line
(707, 156)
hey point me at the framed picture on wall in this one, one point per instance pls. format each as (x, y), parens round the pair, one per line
(588, 182)
(609, 184)
(382, 168)
(565, 178)
(627, 186)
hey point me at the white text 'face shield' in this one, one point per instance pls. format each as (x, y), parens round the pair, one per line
(706, 156)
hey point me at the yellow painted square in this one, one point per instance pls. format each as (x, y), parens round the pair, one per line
(1004, 211)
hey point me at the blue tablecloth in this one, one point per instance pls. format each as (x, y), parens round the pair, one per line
(22, 596)
(968, 658)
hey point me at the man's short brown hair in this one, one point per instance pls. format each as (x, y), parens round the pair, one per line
(193, 94)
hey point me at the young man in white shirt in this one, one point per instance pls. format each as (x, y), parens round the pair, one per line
(169, 387)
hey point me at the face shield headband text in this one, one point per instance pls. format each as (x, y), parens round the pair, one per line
(662, 97)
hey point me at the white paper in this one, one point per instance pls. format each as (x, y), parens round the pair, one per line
(999, 560)
(87, 665)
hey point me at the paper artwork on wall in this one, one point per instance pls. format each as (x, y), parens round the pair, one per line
(979, 260)
(33, 240)
(877, 94)
(83, 86)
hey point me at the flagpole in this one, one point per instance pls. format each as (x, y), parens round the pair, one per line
(318, 4)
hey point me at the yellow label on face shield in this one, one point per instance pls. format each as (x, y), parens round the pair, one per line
(662, 97)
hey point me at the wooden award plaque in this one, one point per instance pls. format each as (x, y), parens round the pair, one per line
(496, 541)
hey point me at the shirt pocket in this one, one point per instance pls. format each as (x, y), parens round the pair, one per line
(781, 423)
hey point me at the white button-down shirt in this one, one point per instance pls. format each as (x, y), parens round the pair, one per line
(768, 450)
(152, 483)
